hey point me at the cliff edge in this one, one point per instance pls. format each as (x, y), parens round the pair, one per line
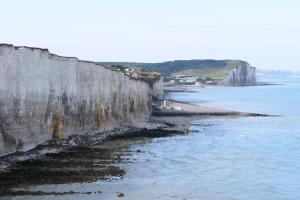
(44, 96)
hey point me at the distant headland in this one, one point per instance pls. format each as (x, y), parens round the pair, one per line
(197, 72)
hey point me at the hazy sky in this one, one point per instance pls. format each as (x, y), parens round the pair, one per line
(266, 33)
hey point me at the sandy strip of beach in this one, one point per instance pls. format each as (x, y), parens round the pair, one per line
(198, 108)
(171, 108)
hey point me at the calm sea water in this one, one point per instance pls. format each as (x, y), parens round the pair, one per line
(221, 159)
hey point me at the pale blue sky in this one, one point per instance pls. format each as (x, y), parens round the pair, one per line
(264, 32)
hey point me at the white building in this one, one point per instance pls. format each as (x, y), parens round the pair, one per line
(187, 79)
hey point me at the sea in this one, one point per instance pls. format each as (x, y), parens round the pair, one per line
(240, 158)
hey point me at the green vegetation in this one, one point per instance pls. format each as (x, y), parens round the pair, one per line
(149, 74)
(214, 69)
(207, 72)
(149, 77)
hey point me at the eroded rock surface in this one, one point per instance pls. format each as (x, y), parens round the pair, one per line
(45, 96)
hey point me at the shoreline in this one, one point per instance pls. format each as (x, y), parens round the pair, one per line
(189, 109)
(56, 146)
(161, 122)
(190, 88)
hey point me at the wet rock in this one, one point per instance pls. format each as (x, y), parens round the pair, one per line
(120, 194)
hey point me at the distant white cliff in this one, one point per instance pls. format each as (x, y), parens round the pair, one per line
(242, 75)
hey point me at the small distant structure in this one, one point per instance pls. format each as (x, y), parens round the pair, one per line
(169, 81)
(127, 70)
(187, 80)
(117, 68)
(210, 82)
(170, 105)
(164, 104)
(198, 83)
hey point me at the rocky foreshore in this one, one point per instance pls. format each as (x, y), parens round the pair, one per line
(164, 121)
(153, 126)
(36, 166)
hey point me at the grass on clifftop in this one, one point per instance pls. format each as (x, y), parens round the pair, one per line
(214, 69)
(207, 72)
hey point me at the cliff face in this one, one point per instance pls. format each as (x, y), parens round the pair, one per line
(242, 75)
(44, 96)
(157, 89)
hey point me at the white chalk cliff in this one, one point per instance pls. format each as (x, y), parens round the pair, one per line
(43, 95)
(242, 75)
